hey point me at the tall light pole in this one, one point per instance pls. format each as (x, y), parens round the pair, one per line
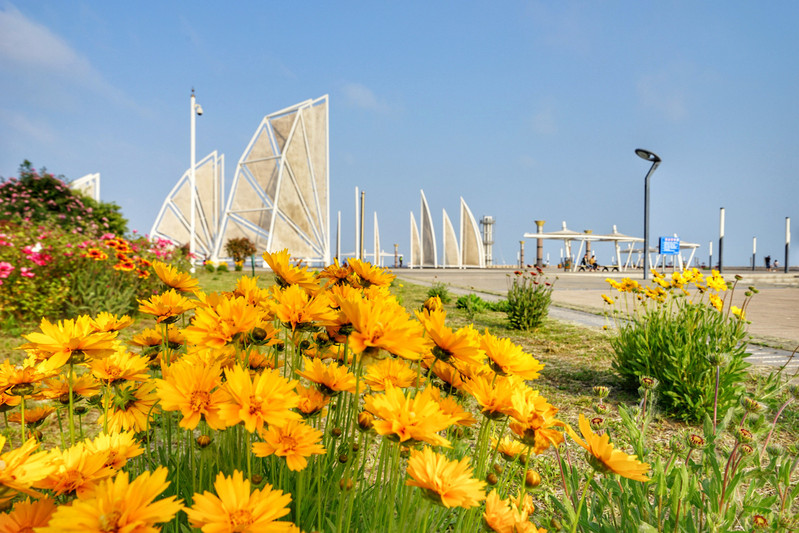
(196, 109)
(655, 160)
(721, 240)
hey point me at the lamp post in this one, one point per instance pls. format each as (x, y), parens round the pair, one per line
(655, 160)
(195, 110)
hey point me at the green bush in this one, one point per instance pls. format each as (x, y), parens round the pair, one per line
(472, 304)
(686, 344)
(222, 267)
(529, 296)
(440, 289)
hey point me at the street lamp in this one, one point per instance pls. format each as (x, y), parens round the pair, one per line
(195, 109)
(655, 160)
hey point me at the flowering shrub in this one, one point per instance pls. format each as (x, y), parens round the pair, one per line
(320, 404)
(240, 248)
(47, 272)
(529, 296)
(40, 197)
(694, 344)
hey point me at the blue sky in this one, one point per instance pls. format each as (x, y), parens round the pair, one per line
(529, 110)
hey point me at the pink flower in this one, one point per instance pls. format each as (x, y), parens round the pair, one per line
(5, 269)
(26, 272)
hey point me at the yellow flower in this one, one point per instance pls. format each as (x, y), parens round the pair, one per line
(166, 307)
(608, 299)
(82, 386)
(265, 398)
(118, 505)
(403, 418)
(121, 366)
(498, 515)
(193, 390)
(371, 275)
(286, 274)
(433, 304)
(449, 406)
(738, 312)
(534, 420)
(716, 302)
(509, 448)
(33, 417)
(27, 515)
(221, 322)
(336, 274)
(716, 282)
(630, 285)
(449, 483)
(331, 379)
(117, 447)
(71, 339)
(77, 470)
(20, 381)
(22, 468)
(295, 441)
(462, 345)
(604, 457)
(390, 370)
(295, 309)
(106, 321)
(493, 394)
(383, 324)
(175, 279)
(505, 357)
(131, 407)
(236, 508)
(311, 400)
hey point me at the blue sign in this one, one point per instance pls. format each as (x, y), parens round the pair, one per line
(669, 245)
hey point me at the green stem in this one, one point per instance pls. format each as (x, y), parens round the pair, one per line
(580, 506)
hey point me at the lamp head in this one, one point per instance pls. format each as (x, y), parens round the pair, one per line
(199, 109)
(647, 155)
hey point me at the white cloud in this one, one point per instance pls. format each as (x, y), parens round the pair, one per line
(544, 122)
(29, 49)
(359, 95)
(19, 126)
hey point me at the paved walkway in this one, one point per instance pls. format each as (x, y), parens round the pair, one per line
(773, 312)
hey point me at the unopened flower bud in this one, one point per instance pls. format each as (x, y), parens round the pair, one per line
(759, 521)
(597, 423)
(750, 405)
(203, 441)
(498, 468)
(676, 445)
(746, 449)
(743, 435)
(601, 408)
(717, 359)
(492, 479)
(346, 484)
(648, 382)
(343, 458)
(696, 441)
(775, 450)
(356, 446)
(336, 432)
(531, 479)
(365, 420)
(600, 391)
(257, 479)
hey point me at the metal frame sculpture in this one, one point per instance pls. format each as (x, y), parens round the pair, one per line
(279, 197)
(173, 221)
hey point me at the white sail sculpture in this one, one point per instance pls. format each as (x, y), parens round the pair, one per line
(429, 257)
(173, 220)
(416, 245)
(378, 261)
(449, 243)
(279, 197)
(471, 244)
(88, 185)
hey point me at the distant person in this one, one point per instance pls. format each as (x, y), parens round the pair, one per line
(776, 266)
(400, 258)
(767, 259)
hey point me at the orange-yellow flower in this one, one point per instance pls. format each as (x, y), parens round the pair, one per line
(604, 457)
(118, 505)
(295, 309)
(369, 274)
(193, 389)
(403, 418)
(450, 406)
(493, 393)
(716, 282)
(236, 507)
(312, 401)
(462, 346)
(331, 379)
(33, 417)
(266, 398)
(77, 470)
(73, 339)
(106, 321)
(534, 420)
(383, 324)
(22, 468)
(509, 448)
(221, 321)
(20, 380)
(505, 357)
(498, 515)
(82, 386)
(389, 370)
(166, 307)
(286, 274)
(27, 515)
(117, 447)
(449, 483)
(336, 274)
(131, 407)
(295, 441)
(122, 365)
(173, 278)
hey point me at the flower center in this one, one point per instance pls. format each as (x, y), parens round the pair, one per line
(240, 519)
(200, 400)
(109, 521)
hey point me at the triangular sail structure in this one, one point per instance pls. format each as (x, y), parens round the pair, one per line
(429, 257)
(450, 244)
(279, 197)
(174, 219)
(471, 244)
(88, 185)
(416, 245)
